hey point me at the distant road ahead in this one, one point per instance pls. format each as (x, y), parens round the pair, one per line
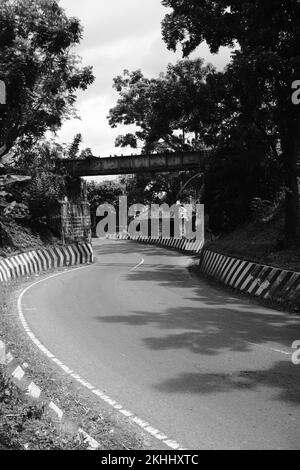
(208, 369)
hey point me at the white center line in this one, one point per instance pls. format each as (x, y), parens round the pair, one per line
(271, 349)
(138, 265)
(282, 352)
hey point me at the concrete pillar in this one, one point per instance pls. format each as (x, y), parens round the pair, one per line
(75, 221)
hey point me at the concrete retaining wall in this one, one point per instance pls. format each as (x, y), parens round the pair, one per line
(259, 280)
(41, 260)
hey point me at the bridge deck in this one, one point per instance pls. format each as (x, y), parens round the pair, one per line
(135, 164)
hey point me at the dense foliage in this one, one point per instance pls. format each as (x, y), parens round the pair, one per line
(41, 76)
(167, 111)
(265, 37)
(245, 114)
(201, 110)
(39, 69)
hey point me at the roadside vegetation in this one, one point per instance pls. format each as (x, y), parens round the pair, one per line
(23, 425)
(260, 242)
(42, 75)
(244, 115)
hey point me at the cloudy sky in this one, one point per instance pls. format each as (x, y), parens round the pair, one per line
(118, 35)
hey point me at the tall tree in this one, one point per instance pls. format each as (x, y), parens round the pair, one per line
(40, 71)
(168, 111)
(266, 36)
(46, 188)
(73, 151)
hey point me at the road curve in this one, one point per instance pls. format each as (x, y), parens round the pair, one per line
(208, 369)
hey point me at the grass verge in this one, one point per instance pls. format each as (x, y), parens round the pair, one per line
(23, 424)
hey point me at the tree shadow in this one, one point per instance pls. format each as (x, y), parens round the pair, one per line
(281, 378)
(208, 321)
(211, 329)
(212, 332)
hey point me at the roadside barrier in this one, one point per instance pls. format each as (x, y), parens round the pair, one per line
(180, 244)
(259, 280)
(266, 282)
(41, 260)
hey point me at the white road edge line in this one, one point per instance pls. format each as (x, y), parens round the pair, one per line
(118, 407)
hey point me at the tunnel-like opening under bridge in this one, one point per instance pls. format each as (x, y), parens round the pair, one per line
(76, 217)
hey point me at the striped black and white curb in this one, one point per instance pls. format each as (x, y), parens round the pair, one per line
(28, 386)
(263, 281)
(259, 280)
(179, 244)
(41, 260)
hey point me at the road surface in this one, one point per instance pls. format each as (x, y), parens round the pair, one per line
(208, 369)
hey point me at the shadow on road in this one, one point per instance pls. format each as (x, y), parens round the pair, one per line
(208, 321)
(281, 378)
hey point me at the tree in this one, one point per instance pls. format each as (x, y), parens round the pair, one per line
(170, 110)
(104, 192)
(46, 189)
(101, 193)
(73, 151)
(265, 35)
(246, 163)
(86, 153)
(173, 112)
(39, 69)
(214, 109)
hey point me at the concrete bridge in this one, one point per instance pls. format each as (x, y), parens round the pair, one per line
(135, 164)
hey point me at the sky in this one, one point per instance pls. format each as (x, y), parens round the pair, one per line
(118, 35)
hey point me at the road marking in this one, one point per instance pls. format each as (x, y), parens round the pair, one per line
(113, 403)
(282, 352)
(138, 265)
(271, 349)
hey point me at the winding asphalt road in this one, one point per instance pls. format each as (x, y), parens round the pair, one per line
(208, 369)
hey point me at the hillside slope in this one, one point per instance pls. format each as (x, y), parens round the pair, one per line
(17, 238)
(260, 242)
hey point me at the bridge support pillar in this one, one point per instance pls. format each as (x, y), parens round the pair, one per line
(75, 222)
(75, 213)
